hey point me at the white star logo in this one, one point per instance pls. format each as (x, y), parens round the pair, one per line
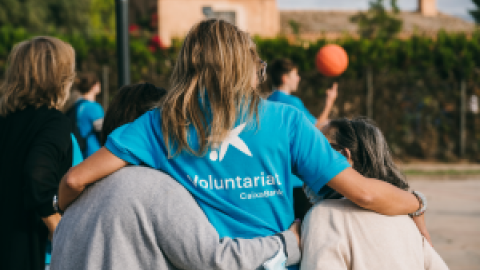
(234, 140)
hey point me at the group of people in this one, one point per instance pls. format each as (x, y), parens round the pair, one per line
(201, 176)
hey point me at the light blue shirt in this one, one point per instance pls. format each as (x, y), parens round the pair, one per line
(244, 185)
(279, 96)
(87, 113)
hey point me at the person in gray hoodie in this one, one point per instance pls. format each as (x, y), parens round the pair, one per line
(140, 218)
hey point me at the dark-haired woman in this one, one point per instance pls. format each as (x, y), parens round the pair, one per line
(35, 147)
(339, 235)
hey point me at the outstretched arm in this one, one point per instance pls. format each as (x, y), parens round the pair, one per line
(94, 168)
(331, 97)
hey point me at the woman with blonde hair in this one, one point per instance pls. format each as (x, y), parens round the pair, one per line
(35, 147)
(234, 151)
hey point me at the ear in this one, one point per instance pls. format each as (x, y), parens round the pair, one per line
(284, 78)
(346, 152)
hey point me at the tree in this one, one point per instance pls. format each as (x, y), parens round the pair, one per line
(476, 12)
(46, 15)
(102, 16)
(378, 22)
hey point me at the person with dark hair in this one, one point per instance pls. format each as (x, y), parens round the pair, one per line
(35, 147)
(129, 103)
(337, 234)
(285, 79)
(150, 219)
(86, 114)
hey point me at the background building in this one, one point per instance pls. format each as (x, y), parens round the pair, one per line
(258, 17)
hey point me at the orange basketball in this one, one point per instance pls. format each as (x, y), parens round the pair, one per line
(331, 60)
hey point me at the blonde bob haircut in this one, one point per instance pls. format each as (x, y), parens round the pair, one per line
(213, 86)
(40, 72)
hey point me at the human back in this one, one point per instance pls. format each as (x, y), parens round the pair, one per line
(35, 147)
(232, 150)
(139, 210)
(337, 234)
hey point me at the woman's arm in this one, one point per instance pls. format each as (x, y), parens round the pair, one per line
(189, 241)
(51, 222)
(331, 97)
(94, 168)
(373, 194)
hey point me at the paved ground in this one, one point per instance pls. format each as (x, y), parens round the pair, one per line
(453, 220)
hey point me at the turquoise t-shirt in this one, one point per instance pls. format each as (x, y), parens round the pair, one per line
(244, 185)
(278, 96)
(76, 159)
(87, 113)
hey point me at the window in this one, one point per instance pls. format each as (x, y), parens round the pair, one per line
(225, 15)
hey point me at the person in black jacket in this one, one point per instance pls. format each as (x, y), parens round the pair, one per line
(35, 147)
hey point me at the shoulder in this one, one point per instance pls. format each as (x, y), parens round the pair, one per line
(53, 128)
(89, 107)
(278, 96)
(134, 179)
(337, 206)
(277, 109)
(334, 210)
(55, 119)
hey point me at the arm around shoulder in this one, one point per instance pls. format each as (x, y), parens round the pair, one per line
(94, 168)
(374, 194)
(190, 241)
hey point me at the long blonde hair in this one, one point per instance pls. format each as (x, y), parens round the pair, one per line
(212, 87)
(39, 72)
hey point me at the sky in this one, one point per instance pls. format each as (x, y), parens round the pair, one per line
(457, 8)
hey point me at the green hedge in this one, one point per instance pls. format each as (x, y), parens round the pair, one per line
(416, 81)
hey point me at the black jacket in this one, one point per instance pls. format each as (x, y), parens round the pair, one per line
(35, 152)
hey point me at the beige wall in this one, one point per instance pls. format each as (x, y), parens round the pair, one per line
(427, 8)
(176, 17)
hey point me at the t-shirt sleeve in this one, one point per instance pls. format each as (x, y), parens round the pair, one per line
(313, 159)
(299, 105)
(90, 118)
(138, 142)
(95, 111)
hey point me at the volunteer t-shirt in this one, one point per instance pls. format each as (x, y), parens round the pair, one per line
(89, 115)
(245, 184)
(279, 96)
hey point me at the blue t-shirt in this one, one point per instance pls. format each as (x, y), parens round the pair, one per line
(87, 113)
(244, 185)
(279, 96)
(76, 159)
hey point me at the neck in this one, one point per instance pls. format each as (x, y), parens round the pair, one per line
(89, 96)
(284, 90)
